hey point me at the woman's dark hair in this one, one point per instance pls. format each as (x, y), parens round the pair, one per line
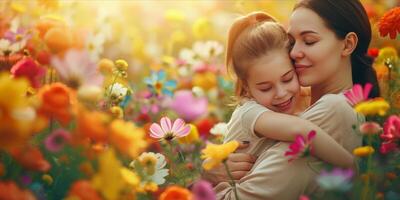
(343, 17)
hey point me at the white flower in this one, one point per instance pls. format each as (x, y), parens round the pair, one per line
(208, 49)
(117, 90)
(6, 47)
(159, 176)
(220, 129)
(95, 45)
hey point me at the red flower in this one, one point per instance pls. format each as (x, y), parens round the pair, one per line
(204, 126)
(390, 23)
(301, 146)
(31, 158)
(373, 52)
(10, 191)
(29, 69)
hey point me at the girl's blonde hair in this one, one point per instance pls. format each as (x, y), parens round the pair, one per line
(249, 38)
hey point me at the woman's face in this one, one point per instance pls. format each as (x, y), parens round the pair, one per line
(272, 82)
(316, 51)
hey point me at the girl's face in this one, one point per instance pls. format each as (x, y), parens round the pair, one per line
(272, 82)
(316, 51)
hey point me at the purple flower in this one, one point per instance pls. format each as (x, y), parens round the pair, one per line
(56, 140)
(203, 190)
(188, 106)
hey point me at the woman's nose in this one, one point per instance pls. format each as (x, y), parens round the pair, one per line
(295, 52)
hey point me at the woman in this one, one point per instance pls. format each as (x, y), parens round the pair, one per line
(329, 40)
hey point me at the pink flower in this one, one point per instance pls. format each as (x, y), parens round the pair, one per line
(370, 128)
(76, 69)
(301, 146)
(390, 135)
(187, 106)
(169, 131)
(358, 94)
(56, 140)
(304, 197)
(203, 190)
(30, 69)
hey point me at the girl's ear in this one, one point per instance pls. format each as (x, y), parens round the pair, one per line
(350, 43)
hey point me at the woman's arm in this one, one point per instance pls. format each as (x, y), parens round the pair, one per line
(285, 127)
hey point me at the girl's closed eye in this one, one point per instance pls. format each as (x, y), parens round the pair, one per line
(288, 78)
(265, 89)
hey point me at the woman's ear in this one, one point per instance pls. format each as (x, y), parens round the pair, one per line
(350, 43)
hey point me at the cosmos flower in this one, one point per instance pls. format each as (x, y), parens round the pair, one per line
(158, 84)
(56, 140)
(358, 94)
(301, 146)
(169, 131)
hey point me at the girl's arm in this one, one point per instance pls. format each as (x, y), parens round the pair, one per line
(285, 127)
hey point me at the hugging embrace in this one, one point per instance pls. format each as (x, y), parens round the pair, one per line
(324, 48)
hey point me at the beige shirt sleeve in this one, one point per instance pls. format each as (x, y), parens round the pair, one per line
(272, 177)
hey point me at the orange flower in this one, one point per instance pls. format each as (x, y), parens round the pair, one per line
(10, 191)
(83, 190)
(176, 193)
(31, 158)
(58, 39)
(45, 24)
(56, 102)
(390, 23)
(93, 125)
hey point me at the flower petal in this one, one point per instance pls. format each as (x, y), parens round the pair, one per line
(156, 131)
(166, 124)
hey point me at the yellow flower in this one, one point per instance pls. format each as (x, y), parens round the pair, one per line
(18, 7)
(363, 151)
(192, 137)
(105, 66)
(375, 107)
(201, 28)
(109, 180)
(174, 15)
(121, 65)
(150, 187)
(117, 112)
(215, 154)
(127, 138)
(47, 178)
(387, 53)
(206, 80)
(130, 177)
(18, 119)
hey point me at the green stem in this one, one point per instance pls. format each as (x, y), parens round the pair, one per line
(232, 182)
(110, 90)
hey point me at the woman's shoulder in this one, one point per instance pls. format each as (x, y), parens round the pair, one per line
(333, 101)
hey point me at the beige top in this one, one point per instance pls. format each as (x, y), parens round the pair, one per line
(272, 176)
